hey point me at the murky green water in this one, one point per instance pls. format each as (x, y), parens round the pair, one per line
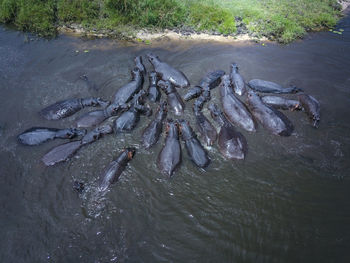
(287, 202)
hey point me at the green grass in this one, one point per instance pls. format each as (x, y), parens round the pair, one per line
(281, 20)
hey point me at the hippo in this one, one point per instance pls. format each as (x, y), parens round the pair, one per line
(205, 128)
(272, 120)
(153, 90)
(63, 152)
(93, 118)
(210, 80)
(169, 157)
(121, 97)
(195, 150)
(311, 107)
(281, 103)
(232, 144)
(173, 98)
(192, 93)
(91, 85)
(38, 135)
(128, 120)
(265, 86)
(234, 109)
(139, 64)
(115, 168)
(152, 132)
(168, 73)
(125, 93)
(237, 80)
(66, 108)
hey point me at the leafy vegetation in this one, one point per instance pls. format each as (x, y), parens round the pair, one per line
(282, 20)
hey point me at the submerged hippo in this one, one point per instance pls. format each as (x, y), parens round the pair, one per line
(64, 151)
(270, 87)
(115, 168)
(195, 150)
(169, 157)
(234, 109)
(168, 73)
(237, 80)
(152, 132)
(281, 103)
(38, 135)
(128, 120)
(65, 108)
(232, 144)
(210, 80)
(311, 107)
(153, 90)
(272, 120)
(173, 98)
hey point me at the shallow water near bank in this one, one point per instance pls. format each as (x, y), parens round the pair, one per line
(287, 202)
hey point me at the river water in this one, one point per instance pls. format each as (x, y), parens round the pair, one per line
(287, 202)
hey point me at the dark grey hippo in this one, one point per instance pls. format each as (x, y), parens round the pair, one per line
(139, 64)
(128, 120)
(65, 108)
(173, 98)
(237, 80)
(38, 135)
(210, 80)
(169, 157)
(311, 107)
(195, 150)
(281, 103)
(125, 93)
(63, 152)
(168, 73)
(234, 109)
(272, 120)
(93, 118)
(265, 86)
(205, 128)
(232, 144)
(115, 168)
(152, 132)
(121, 97)
(153, 90)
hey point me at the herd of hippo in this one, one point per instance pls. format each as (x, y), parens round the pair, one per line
(123, 114)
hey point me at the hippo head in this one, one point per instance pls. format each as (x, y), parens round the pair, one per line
(135, 72)
(153, 77)
(252, 97)
(130, 151)
(166, 86)
(152, 58)
(185, 129)
(138, 59)
(113, 109)
(234, 66)
(172, 127)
